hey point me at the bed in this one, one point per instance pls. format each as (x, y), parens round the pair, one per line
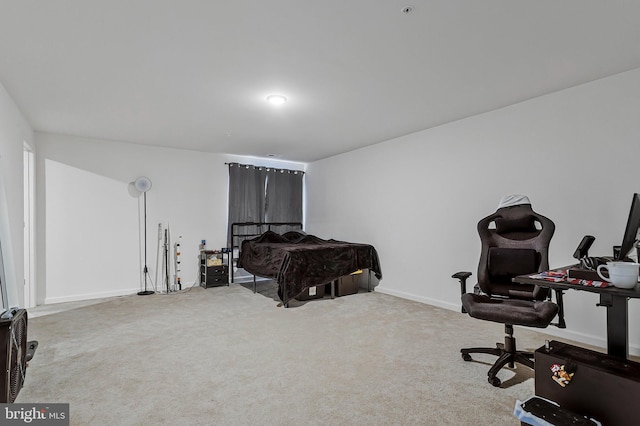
(298, 261)
(240, 231)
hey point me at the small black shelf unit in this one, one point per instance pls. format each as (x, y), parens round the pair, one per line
(213, 275)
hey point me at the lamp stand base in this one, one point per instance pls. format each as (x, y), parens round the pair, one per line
(145, 293)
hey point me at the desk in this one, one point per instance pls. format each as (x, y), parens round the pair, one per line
(613, 298)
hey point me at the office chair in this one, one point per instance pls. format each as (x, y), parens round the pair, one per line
(515, 246)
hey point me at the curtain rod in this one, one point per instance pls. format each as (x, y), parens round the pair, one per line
(264, 167)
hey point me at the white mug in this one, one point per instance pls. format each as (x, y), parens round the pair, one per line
(621, 274)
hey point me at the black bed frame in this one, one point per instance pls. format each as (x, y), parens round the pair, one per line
(240, 233)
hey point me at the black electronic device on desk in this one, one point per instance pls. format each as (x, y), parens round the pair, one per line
(583, 248)
(588, 265)
(587, 268)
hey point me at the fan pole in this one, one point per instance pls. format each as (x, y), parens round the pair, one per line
(145, 270)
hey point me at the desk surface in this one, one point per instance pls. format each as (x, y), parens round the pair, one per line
(613, 298)
(564, 285)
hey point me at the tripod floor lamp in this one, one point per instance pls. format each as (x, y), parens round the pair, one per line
(143, 184)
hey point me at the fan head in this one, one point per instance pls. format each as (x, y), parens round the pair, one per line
(142, 184)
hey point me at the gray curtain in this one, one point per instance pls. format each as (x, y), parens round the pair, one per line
(246, 196)
(284, 197)
(260, 194)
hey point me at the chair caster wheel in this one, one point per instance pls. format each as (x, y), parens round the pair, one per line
(466, 357)
(495, 381)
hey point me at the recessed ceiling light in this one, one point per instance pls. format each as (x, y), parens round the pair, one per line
(276, 99)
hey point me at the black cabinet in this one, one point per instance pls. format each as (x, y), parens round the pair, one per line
(590, 383)
(214, 271)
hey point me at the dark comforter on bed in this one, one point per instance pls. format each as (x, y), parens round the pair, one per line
(298, 261)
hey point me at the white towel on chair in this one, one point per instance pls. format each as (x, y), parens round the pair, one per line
(513, 200)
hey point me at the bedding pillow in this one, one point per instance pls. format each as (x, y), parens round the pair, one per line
(293, 235)
(270, 237)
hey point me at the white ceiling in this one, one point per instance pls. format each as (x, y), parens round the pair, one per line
(194, 74)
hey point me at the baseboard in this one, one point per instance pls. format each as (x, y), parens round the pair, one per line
(587, 339)
(416, 298)
(89, 296)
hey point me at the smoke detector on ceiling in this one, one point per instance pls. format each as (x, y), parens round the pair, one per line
(407, 9)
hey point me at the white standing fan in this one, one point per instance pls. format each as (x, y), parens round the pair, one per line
(143, 184)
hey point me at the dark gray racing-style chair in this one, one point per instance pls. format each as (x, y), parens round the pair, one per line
(514, 246)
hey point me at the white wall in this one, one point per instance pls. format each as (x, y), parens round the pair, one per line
(14, 131)
(417, 198)
(89, 234)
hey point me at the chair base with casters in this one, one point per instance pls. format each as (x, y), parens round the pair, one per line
(509, 312)
(506, 353)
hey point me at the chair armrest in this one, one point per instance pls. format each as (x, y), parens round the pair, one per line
(462, 277)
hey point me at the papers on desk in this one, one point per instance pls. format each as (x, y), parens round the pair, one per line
(561, 275)
(553, 276)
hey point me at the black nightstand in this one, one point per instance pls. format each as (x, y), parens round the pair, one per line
(213, 275)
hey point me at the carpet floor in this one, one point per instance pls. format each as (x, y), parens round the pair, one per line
(227, 356)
